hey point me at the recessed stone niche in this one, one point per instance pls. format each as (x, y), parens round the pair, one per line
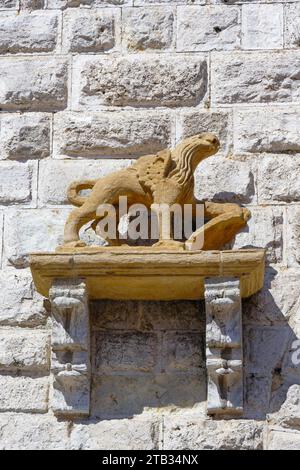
(74, 278)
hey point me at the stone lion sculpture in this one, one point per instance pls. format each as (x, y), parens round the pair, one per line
(167, 178)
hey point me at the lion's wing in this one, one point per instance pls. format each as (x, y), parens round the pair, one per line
(155, 170)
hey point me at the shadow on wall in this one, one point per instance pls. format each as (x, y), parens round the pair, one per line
(152, 354)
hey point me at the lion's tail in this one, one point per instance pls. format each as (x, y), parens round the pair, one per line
(75, 188)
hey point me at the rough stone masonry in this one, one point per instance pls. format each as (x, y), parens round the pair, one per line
(84, 88)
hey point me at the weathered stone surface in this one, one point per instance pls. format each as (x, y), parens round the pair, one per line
(293, 236)
(126, 396)
(24, 136)
(257, 395)
(173, 81)
(55, 176)
(262, 26)
(23, 394)
(32, 230)
(277, 179)
(127, 351)
(89, 30)
(19, 307)
(292, 25)
(171, 2)
(274, 304)
(243, 77)
(62, 4)
(208, 28)
(119, 434)
(283, 440)
(221, 179)
(23, 431)
(264, 348)
(16, 182)
(271, 237)
(148, 28)
(6, 4)
(271, 130)
(28, 32)
(36, 84)
(146, 316)
(106, 133)
(24, 349)
(195, 122)
(33, 4)
(182, 352)
(188, 434)
(289, 414)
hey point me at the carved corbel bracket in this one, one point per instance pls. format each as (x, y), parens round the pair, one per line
(70, 361)
(224, 346)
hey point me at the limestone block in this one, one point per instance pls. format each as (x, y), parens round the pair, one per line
(182, 352)
(283, 440)
(89, 30)
(243, 77)
(292, 25)
(24, 136)
(271, 237)
(171, 2)
(55, 176)
(173, 81)
(18, 393)
(289, 414)
(30, 231)
(270, 130)
(24, 349)
(63, 4)
(19, 307)
(118, 434)
(208, 28)
(129, 395)
(274, 304)
(189, 434)
(17, 182)
(28, 32)
(257, 395)
(126, 351)
(264, 348)
(8, 4)
(293, 236)
(262, 26)
(194, 122)
(25, 431)
(221, 179)
(277, 179)
(146, 316)
(35, 84)
(110, 134)
(148, 28)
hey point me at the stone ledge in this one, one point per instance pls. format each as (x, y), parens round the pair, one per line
(119, 273)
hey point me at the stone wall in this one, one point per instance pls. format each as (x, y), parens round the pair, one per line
(83, 89)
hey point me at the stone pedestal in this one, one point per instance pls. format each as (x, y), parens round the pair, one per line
(221, 277)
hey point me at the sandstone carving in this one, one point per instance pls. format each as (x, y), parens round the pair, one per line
(164, 178)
